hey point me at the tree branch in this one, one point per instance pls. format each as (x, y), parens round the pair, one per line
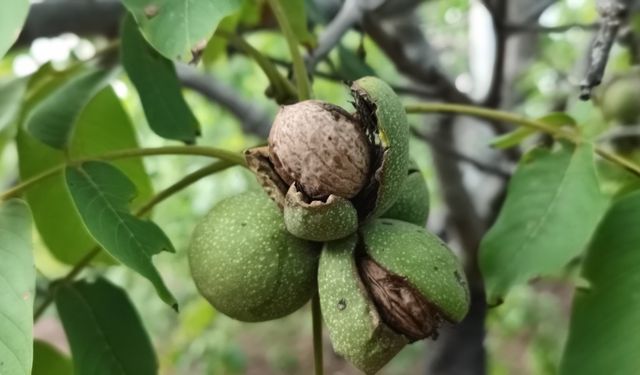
(613, 13)
(499, 16)
(85, 18)
(403, 42)
(349, 14)
(467, 339)
(419, 92)
(446, 149)
(254, 119)
(513, 28)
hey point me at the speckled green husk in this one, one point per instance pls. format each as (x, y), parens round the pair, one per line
(413, 204)
(355, 328)
(246, 264)
(319, 221)
(619, 98)
(427, 263)
(393, 131)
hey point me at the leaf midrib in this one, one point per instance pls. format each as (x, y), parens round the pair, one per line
(115, 212)
(114, 357)
(541, 221)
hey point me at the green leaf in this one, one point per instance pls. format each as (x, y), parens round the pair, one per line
(514, 138)
(17, 289)
(12, 17)
(604, 334)
(217, 44)
(51, 120)
(297, 16)
(102, 126)
(558, 119)
(47, 360)
(178, 28)
(157, 83)
(11, 93)
(616, 181)
(104, 330)
(101, 194)
(553, 205)
(511, 139)
(352, 66)
(105, 126)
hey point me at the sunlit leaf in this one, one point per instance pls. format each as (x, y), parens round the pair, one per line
(558, 119)
(51, 120)
(553, 205)
(514, 138)
(104, 330)
(102, 126)
(101, 194)
(604, 334)
(47, 360)
(17, 288)
(511, 139)
(297, 16)
(217, 44)
(12, 17)
(178, 28)
(11, 93)
(155, 78)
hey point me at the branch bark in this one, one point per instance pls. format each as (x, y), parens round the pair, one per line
(467, 339)
(613, 14)
(254, 119)
(403, 42)
(85, 18)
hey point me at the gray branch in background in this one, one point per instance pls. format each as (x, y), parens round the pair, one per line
(460, 351)
(351, 14)
(402, 40)
(613, 14)
(254, 119)
(85, 18)
(447, 149)
(513, 28)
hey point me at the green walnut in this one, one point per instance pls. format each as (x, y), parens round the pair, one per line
(392, 284)
(355, 326)
(413, 204)
(328, 169)
(619, 99)
(246, 264)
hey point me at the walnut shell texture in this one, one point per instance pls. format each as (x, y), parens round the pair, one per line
(322, 148)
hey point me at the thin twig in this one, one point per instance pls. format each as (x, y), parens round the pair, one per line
(510, 118)
(299, 67)
(420, 92)
(229, 156)
(153, 201)
(284, 90)
(445, 149)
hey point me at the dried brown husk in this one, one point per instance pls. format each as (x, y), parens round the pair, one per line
(402, 307)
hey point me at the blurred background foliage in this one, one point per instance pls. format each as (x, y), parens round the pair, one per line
(525, 334)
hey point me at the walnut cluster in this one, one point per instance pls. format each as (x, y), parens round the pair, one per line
(322, 148)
